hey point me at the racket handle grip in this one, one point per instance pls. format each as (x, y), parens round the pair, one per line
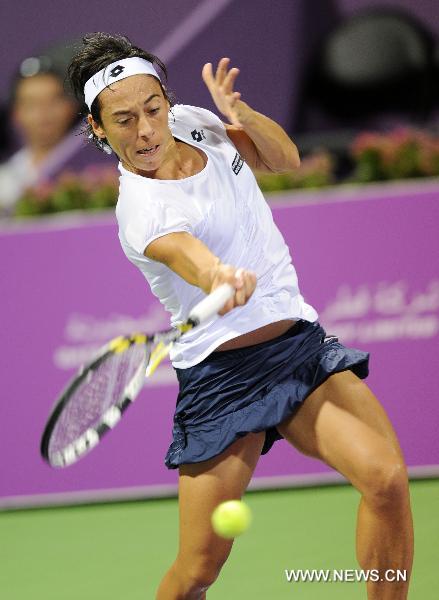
(213, 303)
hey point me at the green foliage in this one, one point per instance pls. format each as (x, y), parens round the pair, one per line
(93, 189)
(399, 154)
(315, 171)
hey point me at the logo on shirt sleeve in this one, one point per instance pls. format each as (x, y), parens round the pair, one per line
(237, 164)
(197, 136)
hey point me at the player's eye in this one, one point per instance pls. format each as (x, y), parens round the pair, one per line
(124, 121)
(153, 111)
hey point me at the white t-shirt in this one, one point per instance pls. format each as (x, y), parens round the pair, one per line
(17, 174)
(224, 208)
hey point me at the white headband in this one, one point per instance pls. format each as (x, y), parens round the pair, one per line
(115, 72)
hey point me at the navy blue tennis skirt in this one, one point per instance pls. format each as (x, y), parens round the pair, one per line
(251, 389)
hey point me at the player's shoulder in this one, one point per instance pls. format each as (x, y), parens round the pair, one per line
(134, 194)
(185, 115)
(144, 196)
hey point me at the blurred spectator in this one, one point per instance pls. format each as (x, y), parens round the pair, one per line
(42, 112)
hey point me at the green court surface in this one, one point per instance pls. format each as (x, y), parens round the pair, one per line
(120, 551)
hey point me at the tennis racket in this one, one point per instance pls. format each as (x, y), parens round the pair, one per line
(97, 397)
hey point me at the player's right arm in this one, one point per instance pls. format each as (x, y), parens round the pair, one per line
(195, 263)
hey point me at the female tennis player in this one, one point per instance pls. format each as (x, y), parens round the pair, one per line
(191, 217)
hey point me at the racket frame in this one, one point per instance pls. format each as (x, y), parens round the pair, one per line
(201, 312)
(92, 435)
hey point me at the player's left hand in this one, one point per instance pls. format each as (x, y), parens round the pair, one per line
(221, 89)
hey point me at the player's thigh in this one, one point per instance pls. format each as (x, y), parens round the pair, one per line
(204, 485)
(343, 424)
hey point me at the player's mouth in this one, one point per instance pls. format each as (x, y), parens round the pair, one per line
(149, 151)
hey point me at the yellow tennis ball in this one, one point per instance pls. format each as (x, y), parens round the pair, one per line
(231, 518)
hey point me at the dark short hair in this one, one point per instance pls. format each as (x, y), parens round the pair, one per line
(41, 66)
(99, 50)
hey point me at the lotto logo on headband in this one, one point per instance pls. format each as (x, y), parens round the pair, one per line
(117, 71)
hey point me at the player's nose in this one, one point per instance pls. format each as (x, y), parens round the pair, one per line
(145, 129)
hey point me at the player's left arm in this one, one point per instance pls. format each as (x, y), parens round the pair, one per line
(262, 143)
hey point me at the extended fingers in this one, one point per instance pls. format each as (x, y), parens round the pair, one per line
(207, 74)
(221, 70)
(223, 77)
(229, 80)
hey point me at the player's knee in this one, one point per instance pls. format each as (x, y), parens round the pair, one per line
(389, 487)
(200, 577)
(202, 572)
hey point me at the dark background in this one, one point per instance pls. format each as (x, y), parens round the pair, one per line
(270, 40)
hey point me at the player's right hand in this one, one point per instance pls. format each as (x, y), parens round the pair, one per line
(242, 280)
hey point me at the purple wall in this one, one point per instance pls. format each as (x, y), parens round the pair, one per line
(366, 259)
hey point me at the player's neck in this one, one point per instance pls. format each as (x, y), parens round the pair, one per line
(38, 154)
(184, 161)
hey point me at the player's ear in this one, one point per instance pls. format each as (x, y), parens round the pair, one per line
(97, 129)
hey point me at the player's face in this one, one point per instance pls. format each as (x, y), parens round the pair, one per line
(134, 115)
(42, 111)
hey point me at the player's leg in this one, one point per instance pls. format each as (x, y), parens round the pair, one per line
(202, 487)
(343, 424)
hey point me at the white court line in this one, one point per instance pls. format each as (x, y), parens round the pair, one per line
(348, 192)
(171, 490)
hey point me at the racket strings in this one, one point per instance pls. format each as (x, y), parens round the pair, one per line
(99, 390)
